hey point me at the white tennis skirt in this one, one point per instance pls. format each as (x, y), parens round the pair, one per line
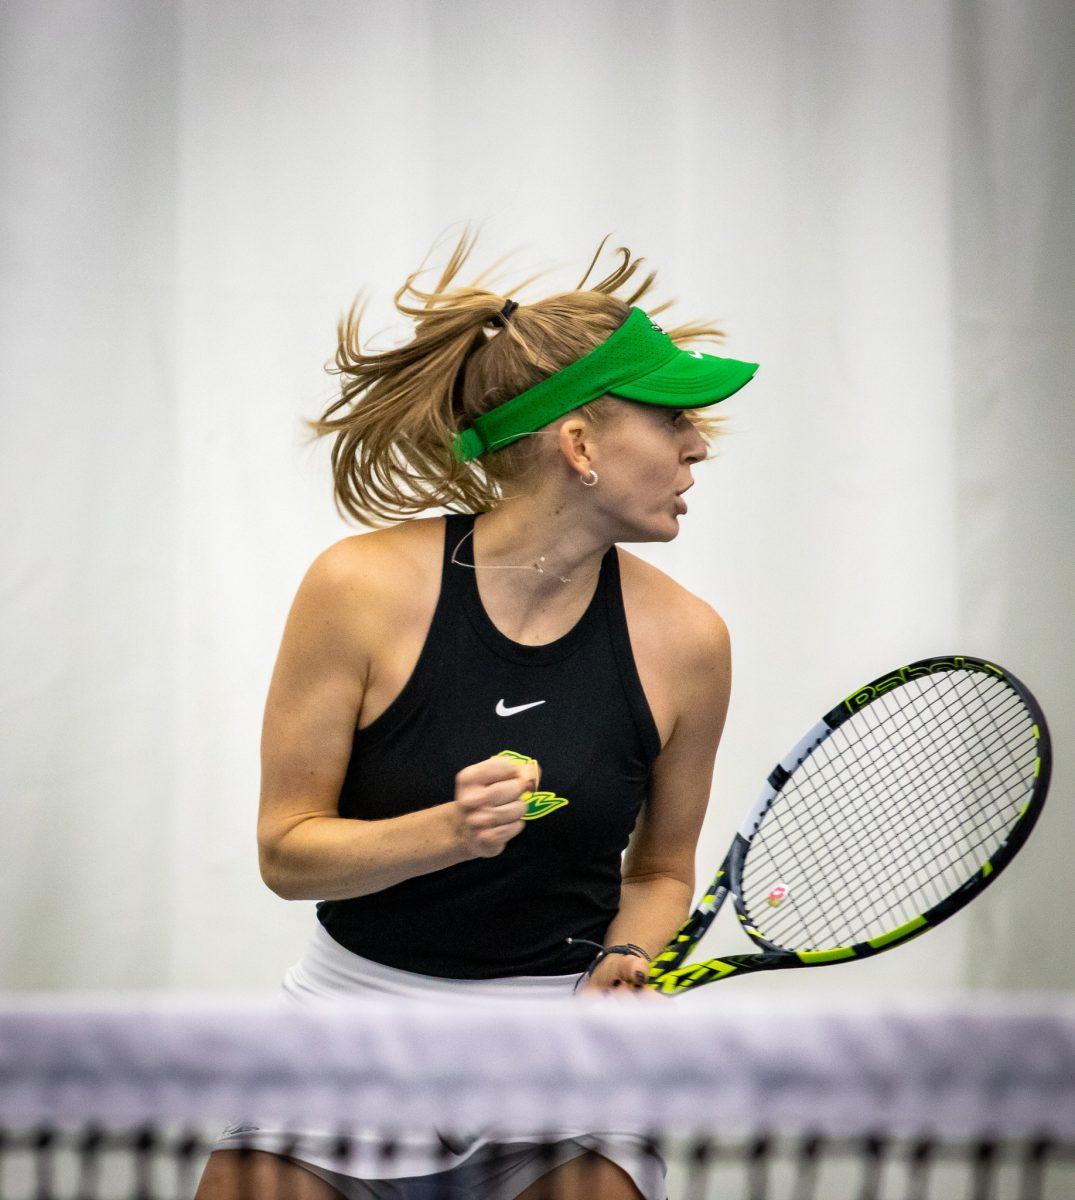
(426, 1165)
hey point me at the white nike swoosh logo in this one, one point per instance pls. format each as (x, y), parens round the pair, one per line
(502, 709)
(695, 353)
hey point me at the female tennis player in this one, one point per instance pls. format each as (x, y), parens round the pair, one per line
(473, 716)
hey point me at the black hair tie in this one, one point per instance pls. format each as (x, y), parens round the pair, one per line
(501, 318)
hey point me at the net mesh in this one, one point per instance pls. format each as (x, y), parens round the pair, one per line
(896, 809)
(787, 1100)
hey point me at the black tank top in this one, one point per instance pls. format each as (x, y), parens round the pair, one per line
(582, 714)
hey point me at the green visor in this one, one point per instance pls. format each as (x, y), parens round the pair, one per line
(638, 361)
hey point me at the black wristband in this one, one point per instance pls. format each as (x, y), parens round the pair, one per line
(603, 953)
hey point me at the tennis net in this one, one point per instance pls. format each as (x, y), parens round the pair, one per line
(107, 1096)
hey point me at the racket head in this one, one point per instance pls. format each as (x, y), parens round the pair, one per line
(901, 805)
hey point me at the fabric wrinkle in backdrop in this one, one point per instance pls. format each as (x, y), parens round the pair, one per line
(873, 200)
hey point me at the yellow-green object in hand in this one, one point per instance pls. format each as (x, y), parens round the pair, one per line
(538, 804)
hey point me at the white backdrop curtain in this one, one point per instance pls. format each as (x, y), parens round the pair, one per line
(875, 200)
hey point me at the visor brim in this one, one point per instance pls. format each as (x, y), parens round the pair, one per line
(689, 380)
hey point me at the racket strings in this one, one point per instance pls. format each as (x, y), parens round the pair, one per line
(926, 892)
(992, 838)
(836, 774)
(866, 825)
(833, 761)
(891, 762)
(937, 826)
(844, 774)
(939, 822)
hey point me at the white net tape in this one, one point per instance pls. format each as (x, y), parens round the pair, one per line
(972, 1067)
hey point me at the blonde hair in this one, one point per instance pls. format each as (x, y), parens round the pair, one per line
(402, 407)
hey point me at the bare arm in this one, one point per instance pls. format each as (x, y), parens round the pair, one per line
(658, 868)
(306, 851)
(333, 858)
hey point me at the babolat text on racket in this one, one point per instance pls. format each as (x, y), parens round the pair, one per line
(902, 804)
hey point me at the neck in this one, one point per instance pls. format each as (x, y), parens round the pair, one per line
(516, 534)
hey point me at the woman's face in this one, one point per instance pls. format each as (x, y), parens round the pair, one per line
(643, 458)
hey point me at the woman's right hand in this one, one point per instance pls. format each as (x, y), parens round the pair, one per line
(487, 810)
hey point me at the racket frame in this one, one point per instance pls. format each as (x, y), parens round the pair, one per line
(669, 975)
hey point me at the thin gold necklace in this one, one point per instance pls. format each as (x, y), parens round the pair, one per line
(499, 566)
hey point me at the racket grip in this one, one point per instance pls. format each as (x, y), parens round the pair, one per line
(690, 933)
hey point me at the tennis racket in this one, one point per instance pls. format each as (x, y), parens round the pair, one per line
(902, 804)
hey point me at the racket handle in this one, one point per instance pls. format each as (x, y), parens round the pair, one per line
(690, 933)
(695, 974)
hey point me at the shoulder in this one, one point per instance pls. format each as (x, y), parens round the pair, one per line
(663, 603)
(379, 556)
(364, 578)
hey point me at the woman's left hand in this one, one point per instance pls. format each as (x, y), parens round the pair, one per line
(620, 975)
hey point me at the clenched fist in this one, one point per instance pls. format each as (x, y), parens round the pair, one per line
(487, 809)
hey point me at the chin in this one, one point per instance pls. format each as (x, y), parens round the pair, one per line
(650, 527)
(662, 529)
